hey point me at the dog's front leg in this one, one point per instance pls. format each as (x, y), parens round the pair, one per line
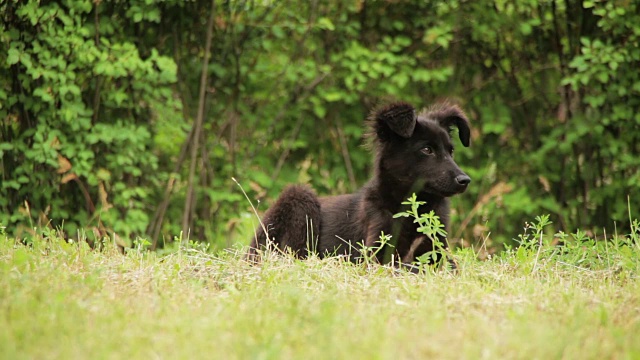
(410, 256)
(379, 222)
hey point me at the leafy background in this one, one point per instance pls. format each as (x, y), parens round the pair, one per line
(104, 107)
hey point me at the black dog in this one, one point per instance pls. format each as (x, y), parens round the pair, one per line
(414, 154)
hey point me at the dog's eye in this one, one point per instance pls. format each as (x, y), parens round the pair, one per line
(427, 150)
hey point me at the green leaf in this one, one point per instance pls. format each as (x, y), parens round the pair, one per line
(320, 111)
(11, 184)
(44, 94)
(153, 15)
(603, 77)
(333, 96)
(525, 29)
(13, 56)
(5, 146)
(137, 17)
(326, 23)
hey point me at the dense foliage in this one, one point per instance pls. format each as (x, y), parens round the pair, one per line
(98, 101)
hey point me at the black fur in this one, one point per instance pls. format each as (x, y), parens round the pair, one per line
(403, 165)
(292, 223)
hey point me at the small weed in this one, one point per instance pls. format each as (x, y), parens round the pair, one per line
(430, 225)
(369, 253)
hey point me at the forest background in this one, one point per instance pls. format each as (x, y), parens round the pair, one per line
(134, 117)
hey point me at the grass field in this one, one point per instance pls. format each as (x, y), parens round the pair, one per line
(66, 301)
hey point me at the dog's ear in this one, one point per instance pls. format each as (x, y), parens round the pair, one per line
(449, 116)
(399, 118)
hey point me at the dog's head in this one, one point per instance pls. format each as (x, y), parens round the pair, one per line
(417, 149)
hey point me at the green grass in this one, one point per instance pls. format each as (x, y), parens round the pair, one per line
(66, 301)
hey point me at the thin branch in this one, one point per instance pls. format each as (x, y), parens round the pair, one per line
(159, 216)
(345, 155)
(535, 264)
(156, 223)
(190, 198)
(96, 94)
(287, 149)
(296, 131)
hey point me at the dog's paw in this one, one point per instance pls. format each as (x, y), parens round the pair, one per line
(451, 265)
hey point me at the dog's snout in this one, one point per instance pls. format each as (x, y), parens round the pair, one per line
(463, 180)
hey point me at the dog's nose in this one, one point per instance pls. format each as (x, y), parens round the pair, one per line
(463, 180)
